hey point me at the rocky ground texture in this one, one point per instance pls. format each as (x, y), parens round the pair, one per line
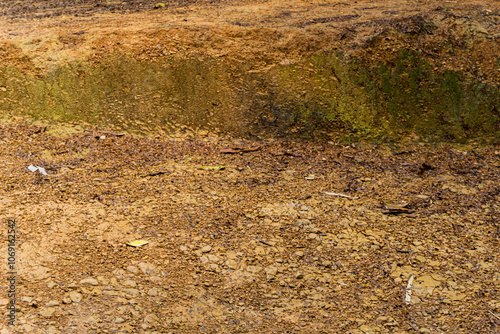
(248, 237)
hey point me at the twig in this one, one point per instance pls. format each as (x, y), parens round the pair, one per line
(340, 195)
(493, 314)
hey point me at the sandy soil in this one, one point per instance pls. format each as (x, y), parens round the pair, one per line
(249, 242)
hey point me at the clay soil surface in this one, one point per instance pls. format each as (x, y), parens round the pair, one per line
(248, 237)
(269, 236)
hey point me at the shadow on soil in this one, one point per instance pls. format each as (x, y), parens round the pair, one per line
(326, 96)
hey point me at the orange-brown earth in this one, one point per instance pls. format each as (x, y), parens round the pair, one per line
(279, 237)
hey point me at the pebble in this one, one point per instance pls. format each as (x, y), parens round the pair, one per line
(75, 297)
(232, 264)
(119, 320)
(89, 281)
(52, 303)
(213, 258)
(130, 293)
(51, 285)
(151, 318)
(206, 249)
(47, 312)
(129, 283)
(213, 267)
(23, 299)
(147, 268)
(153, 292)
(133, 269)
(254, 269)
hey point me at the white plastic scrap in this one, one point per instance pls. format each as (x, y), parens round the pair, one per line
(36, 168)
(408, 291)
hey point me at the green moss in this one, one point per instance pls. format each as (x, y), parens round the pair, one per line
(326, 95)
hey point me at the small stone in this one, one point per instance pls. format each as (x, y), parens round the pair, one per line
(151, 318)
(299, 254)
(119, 320)
(25, 299)
(299, 275)
(102, 280)
(231, 255)
(147, 268)
(52, 330)
(66, 300)
(75, 297)
(271, 272)
(118, 272)
(424, 330)
(130, 293)
(51, 285)
(326, 264)
(232, 264)
(129, 283)
(153, 292)
(52, 303)
(204, 259)
(183, 248)
(213, 258)
(260, 250)
(47, 312)
(206, 249)
(213, 267)
(89, 281)
(254, 269)
(133, 269)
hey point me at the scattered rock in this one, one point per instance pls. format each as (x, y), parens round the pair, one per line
(232, 264)
(254, 269)
(47, 312)
(89, 281)
(75, 297)
(51, 285)
(133, 269)
(129, 283)
(206, 249)
(147, 268)
(130, 293)
(151, 319)
(213, 258)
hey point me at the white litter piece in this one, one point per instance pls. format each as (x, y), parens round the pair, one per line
(339, 195)
(36, 168)
(408, 291)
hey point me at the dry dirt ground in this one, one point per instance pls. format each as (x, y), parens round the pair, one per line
(270, 236)
(249, 242)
